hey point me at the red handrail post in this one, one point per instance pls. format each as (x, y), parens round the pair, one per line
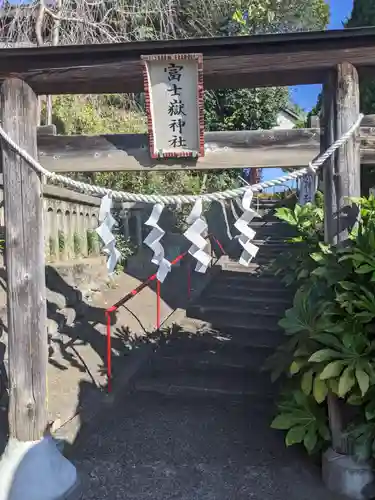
(108, 313)
(158, 304)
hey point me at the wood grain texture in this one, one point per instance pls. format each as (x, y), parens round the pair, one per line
(25, 266)
(342, 175)
(341, 182)
(256, 148)
(330, 209)
(348, 160)
(327, 138)
(254, 61)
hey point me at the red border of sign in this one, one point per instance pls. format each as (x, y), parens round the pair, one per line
(200, 89)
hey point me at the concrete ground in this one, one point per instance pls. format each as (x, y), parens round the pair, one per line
(157, 448)
(78, 295)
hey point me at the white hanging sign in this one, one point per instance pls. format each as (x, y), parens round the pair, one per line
(173, 87)
(308, 188)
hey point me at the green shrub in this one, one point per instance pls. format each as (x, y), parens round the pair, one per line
(330, 331)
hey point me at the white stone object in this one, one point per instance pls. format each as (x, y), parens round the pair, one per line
(36, 470)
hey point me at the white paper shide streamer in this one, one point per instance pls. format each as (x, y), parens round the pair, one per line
(247, 234)
(153, 242)
(105, 233)
(194, 235)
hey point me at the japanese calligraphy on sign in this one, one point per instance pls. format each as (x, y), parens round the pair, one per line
(174, 102)
(308, 188)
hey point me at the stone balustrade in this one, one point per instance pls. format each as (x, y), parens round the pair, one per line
(70, 220)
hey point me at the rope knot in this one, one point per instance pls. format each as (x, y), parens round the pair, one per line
(311, 169)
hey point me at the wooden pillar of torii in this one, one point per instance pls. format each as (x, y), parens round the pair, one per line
(31, 467)
(341, 182)
(24, 258)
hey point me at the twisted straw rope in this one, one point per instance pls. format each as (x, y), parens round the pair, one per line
(179, 198)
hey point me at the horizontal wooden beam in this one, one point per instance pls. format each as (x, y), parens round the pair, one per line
(223, 150)
(247, 61)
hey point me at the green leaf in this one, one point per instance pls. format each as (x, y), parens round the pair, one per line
(320, 390)
(326, 249)
(330, 340)
(283, 422)
(323, 355)
(317, 257)
(324, 431)
(297, 239)
(359, 258)
(303, 274)
(238, 17)
(370, 411)
(320, 272)
(363, 380)
(365, 316)
(366, 268)
(306, 382)
(287, 215)
(311, 439)
(333, 384)
(333, 369)
(355, 400)
(335, 329)
(295, 435)
(298, 210)
(296, 366)
(346, 382)
(290, 326)
(348, 285)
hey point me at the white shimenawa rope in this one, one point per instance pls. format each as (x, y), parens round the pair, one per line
(180, 198)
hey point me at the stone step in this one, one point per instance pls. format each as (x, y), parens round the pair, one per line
(204, 358)
(273, 244)
(219, 314)
(247, 290)
(232, 276)
(206, 341)
(253, 268)
(270, 220)
(253, 271)
(263, 333)
(246, 301)
(211, 383)
(228, 274)
(264, 260)
(273, 230)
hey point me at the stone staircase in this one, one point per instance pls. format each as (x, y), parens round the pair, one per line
(229, 331)
(196, 425)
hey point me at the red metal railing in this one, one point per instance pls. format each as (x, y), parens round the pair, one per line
(135, 292)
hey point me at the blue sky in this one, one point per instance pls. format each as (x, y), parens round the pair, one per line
(306, 95)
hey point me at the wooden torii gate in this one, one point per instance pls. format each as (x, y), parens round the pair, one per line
(333, 58)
